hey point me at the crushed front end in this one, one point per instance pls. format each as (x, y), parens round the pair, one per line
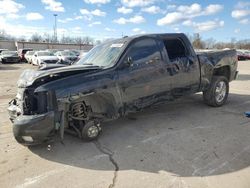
(33, 116)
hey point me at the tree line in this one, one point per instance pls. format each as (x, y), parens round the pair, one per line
(195, 39)
(46, 37)
(211, 43)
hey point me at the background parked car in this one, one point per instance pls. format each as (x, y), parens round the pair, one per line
(243, 55)
(9, 57)
(66, 57)
(76, 52)
(53, 51)
(28, 56)
(3, 50)
(22, 52)
(41, 57)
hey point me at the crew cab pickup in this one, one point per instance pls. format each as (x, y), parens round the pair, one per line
(115, 78)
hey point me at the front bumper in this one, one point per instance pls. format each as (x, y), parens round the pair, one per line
(10, 60)
(40, 128)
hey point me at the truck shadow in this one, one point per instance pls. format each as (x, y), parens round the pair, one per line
(184, 137)
(243, 77)
(8, 66)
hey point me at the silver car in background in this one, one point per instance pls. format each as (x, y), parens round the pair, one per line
(66, 57)
(44, 57)
(9, 57)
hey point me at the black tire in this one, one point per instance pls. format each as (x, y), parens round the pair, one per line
(217, 93)
(91, 131)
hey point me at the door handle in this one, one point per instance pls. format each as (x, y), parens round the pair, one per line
(154, 60)
(177, 68)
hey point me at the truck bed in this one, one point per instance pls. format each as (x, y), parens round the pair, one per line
(219, 57)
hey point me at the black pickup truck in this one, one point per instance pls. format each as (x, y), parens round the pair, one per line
(115, 78)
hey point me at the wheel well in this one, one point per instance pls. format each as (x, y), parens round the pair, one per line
(223, 71)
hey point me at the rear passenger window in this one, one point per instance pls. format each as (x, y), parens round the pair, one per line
(175, 48)
(143, 51)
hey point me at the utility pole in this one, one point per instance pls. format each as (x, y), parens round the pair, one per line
(55, 28)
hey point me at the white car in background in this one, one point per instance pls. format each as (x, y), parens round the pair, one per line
(28, 56)
(44, 57)
(66, 57)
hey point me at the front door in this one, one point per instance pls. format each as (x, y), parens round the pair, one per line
(139, 83)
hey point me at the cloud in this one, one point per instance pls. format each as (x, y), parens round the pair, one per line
(34, 16)
(135, 20)
(138, 31)
(213, 9)
(18, 30)
(244, 21)
(65, 20)
(78, 17)
(97, 1)
(236, 30)
(109, 29)
(184, 12)
(177, 29)
(171, 18)
(242, 5)
(170, 7)
(137, 3)
(10, 7)
(240, 13)
(193, 9)
(152, 10)
(205, 26)
(124, 10)
(53, 5)
(95, 12)
(95, 23)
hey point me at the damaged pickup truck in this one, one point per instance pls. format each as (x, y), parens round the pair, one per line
(115, 78)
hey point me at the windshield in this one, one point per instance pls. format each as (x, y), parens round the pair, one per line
(103, 55)
(30, 52)
(67, 53)
(45, 54)
(9, 53)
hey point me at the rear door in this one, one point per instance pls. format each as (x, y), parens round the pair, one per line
(140, 81)
(183, 65)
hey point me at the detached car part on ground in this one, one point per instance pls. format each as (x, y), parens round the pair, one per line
(114, 79)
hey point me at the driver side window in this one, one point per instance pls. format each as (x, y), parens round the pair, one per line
(143, 50)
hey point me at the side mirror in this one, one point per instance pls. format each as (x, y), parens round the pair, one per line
(130, 61)
(35, 55)
(126, 63)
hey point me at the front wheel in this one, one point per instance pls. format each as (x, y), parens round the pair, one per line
(91, 131)
(217, 93)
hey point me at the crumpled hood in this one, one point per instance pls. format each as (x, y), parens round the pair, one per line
(29, 76)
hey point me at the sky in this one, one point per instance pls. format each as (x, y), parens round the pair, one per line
(102, 19)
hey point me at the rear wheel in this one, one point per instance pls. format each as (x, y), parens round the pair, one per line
(217, 93)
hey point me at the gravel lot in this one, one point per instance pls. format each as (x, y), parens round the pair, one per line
(182, 144)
